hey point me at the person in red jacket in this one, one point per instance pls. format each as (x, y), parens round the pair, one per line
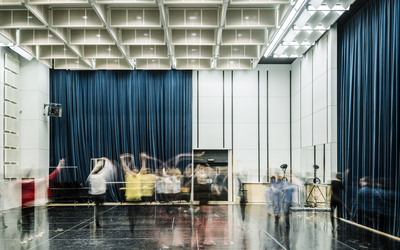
(28, 200)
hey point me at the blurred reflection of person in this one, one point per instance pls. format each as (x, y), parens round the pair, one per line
(287, 201)
(268, 195)
(98, 185)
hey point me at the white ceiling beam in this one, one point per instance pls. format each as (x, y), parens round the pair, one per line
(167, 32)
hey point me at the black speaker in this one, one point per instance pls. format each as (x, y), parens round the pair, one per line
(54, 111)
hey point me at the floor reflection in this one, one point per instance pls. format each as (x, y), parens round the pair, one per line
(180, 226)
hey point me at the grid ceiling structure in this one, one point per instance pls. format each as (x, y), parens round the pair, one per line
(164, 34)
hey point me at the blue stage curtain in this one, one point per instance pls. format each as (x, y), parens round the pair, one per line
(368, 115)
(107, 113)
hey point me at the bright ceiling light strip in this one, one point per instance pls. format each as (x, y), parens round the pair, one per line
(286, 24)
(21, 52)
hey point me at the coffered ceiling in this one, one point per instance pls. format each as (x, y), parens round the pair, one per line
(164, 34)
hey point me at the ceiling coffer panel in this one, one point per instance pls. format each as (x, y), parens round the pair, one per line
(90, 37)
(74, 18)
(38, 37)
(193, 17)
(233, 64)
(142, 37)
(193, 51)
(193, 64)
(243, 36)
(102, 51)
(112, 63)
(132, 18)
(193, 36)
(21, 19)
(148, 51)
(153, 64)
(251, 18)
(56, 52)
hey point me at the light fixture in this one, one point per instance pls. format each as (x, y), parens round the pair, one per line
(145, 34)
(98, 35)
(193, 34)
(193, 17)
(84, 17)
(21, 52)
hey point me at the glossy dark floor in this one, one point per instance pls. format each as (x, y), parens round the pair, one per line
(180, 227)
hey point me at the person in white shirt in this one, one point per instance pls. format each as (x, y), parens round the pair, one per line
(98, 184)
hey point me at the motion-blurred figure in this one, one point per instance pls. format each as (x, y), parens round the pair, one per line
(98, 185)
(336, 197)
(368, 202)
(277, 197)
(287, 201)
(133, 188)
(28, 200)
(268, 195)
(3, 224)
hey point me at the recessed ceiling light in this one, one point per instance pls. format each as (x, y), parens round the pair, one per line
(192, 60)
(98, 35)
(65, 48)
(84, 17)
(50, 35)
(239, 35)
(109, 49)
(77, 61)
(246, 17)
(231, 62)
(29, 17)
(153, 60)
(193, 49)
(193, 17)
(138, 17)
(145, 34)
(193, 34)
(151, 48)
(115, 60)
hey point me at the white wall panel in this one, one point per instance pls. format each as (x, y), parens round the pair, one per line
(332, 87)
(332, 124)
(296, 134)
(306, 131)
(210, 83)
(279, 109)
(320, 93)
(277, 158)
(306, 69)
(245, 136)
(263, 136)
(278, 83)
(279, 136)
(245, 83)
(296, 164)
(245, 109)
(296, 105)
(320, 59)
(320, 127)
(211, 135)
(296, 76)
(306, 101)
(245, 162)
(211, 109)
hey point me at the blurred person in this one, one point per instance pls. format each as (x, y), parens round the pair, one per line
(187, 182)
(336, 197)
(28, 200)
(2, 213)
(147, 178)
(133, 188)
(277, 197)
(367, 203)
(160, 186)
(176, 184)
(98, 185)
(287, 200)
(268, 195)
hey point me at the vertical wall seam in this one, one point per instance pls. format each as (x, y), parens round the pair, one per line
(268, 172)
(198, 109)
(258, 131)
(223, 109)
(290, 123)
